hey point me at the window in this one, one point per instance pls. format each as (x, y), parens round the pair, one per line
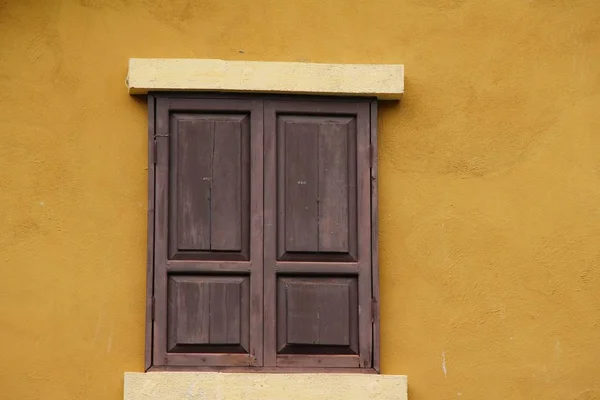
(262, 246)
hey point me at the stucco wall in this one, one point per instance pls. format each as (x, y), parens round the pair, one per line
(489, 189)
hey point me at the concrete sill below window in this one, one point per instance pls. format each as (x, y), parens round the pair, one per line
(259, 386)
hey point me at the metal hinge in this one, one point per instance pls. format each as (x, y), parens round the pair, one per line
(153, 307)
(373, 310)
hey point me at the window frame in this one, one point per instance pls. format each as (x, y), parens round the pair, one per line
(152, 156)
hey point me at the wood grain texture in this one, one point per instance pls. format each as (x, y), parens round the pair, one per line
(305, 324)
(300, 186)
(256, 213)
(270, 241)
(363, 180)
(150, 235)
(213, 317)
(229, 321)
(189, 266)
(189, 312)
(318, 360)
(317, 316)
(210, 202)
(322, 317)
(316, 184)
(192, 148)
(208, 314)
(230, 162)
(188, 360)
(161, 231)
(316, 187)
(317, 268)
(375, 235)
(334, 164)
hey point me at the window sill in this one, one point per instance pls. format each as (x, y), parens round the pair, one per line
(240, 386)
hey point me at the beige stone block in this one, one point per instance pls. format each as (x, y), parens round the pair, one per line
(384, 81)
(259, 386)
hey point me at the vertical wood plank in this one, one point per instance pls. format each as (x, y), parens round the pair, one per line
(303, 314)
(375, 234)
(233, 307)
(354, 319)
(333, 187)
(208, 314)
(173, 314)
(150, 236)
(245, 325)
(282, 307)
(301, 186)
(353, 210)
(334, 315)
(193, 302)
(364, 234)
(195, 146)
(161, 227)
(225, 313)
(257, 210)
(251, 187)
(272, 179)
(226, 195)
(189, 312)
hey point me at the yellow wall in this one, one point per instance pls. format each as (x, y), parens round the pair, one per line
(490, 183)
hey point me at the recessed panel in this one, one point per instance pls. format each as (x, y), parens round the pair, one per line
(209, 187)
(316, 188)
(208, 314)
(317, 316)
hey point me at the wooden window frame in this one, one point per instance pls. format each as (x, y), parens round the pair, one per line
(150, 302)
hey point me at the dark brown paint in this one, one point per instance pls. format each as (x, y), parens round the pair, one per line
(306, 143)
(228, 297)
(208, 240)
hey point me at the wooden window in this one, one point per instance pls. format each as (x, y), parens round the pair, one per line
(262, 246)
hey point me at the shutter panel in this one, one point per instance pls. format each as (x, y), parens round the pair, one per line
(208, 250)
(317, 234)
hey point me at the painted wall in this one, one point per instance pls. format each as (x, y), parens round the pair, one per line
(490, 183)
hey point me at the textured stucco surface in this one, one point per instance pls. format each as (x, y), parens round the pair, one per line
(218, 386)
(385, 82)
(489, 184)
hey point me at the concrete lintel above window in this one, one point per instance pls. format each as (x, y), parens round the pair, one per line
(384, 81)
(235, 386)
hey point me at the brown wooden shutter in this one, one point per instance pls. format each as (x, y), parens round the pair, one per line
(318, 293)
(208, 249)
